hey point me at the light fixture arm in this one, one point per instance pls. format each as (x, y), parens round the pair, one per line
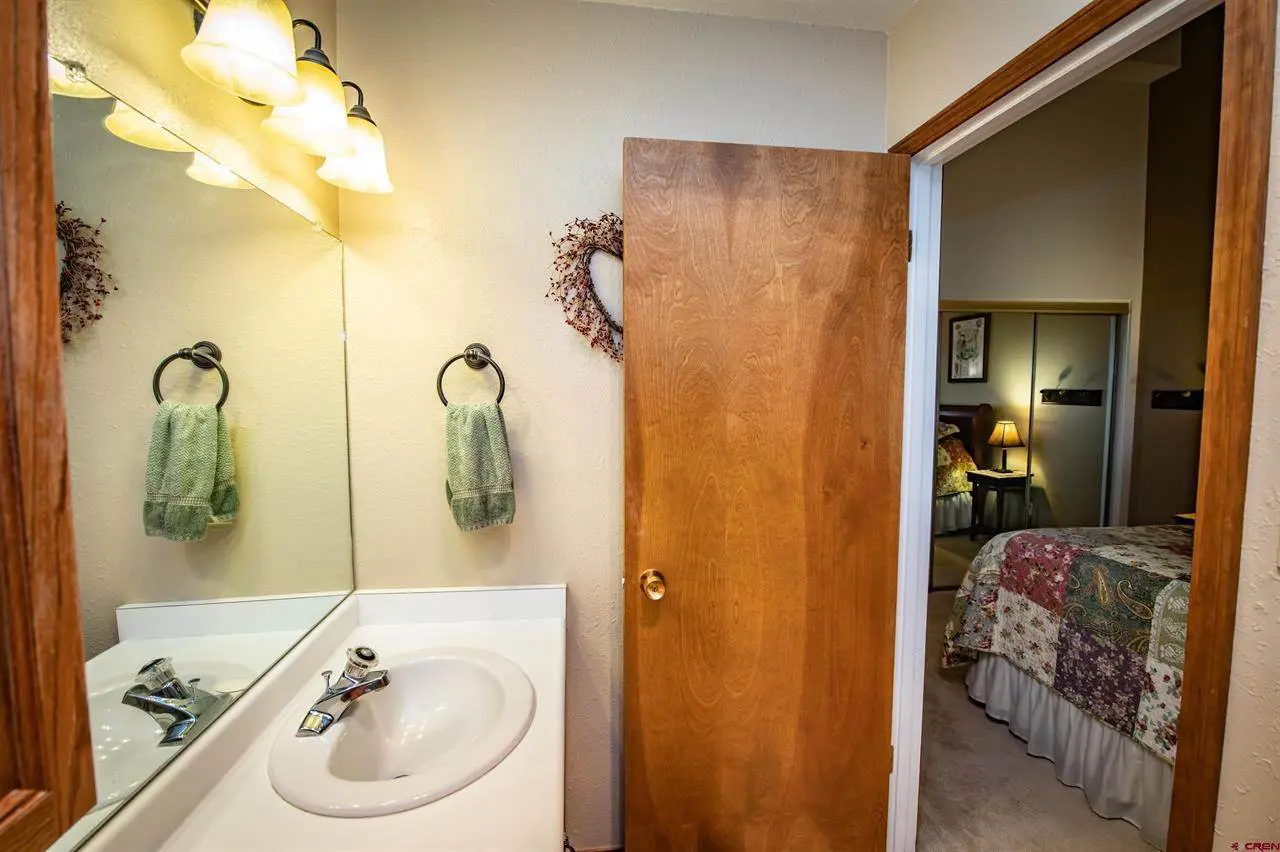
(313, 53)
(303, 22)
(358, 111)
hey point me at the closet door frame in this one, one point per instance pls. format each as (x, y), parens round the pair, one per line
(1099, 35)
(46, 754)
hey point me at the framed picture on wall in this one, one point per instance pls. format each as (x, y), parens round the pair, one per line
(968, 352)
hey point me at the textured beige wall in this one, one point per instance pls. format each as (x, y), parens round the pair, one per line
(942, 48)
(193, 262)
(492, 148)
(131, 49)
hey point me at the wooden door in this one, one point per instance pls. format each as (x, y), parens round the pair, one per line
(765, 295)
(46, 756)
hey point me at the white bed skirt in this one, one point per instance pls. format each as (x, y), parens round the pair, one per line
(1120, 779)
(952, 513)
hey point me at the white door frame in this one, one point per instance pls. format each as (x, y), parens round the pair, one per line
(1149, 23)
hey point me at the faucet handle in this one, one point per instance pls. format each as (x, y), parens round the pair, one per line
(359, 661)
(156, 673)
(158, 678)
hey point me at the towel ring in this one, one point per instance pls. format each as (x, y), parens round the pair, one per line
(206, 356)
(476, 357)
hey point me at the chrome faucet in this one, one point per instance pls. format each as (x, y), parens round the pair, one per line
(180, 707)
(356, 680)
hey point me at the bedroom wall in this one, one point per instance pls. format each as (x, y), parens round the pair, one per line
(492, 151)
(1053, 208)
(1008, 388)
(1182, 157)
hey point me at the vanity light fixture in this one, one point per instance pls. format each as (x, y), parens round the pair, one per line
(364, 170)
(318, 125)
(69, 80)
(132, 126)
(208, 170)
(246, 48)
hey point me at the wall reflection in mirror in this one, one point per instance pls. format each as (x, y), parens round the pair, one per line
(209, 538)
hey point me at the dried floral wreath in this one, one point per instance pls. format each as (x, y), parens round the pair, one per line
(571, 284)
(82, 282)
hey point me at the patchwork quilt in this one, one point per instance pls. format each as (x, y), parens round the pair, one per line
(1098, 615)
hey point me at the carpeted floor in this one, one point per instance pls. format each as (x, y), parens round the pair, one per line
(952, 555)
(979, 789)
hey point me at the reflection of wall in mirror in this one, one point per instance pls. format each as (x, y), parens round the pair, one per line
(194, 262)
(131, 49)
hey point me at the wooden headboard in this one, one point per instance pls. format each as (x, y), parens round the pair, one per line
(975, 423)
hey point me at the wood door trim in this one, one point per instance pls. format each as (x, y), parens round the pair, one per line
(46, 767)
(1072, 33)
(1248, 78)
(964, 306)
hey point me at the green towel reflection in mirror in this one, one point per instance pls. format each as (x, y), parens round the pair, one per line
(190, 473)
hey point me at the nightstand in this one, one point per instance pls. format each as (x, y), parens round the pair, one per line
(986, 481)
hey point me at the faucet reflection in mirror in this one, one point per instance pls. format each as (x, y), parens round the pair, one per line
(338, 697)
(180, 707)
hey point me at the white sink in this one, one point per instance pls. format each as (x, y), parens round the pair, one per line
(448, 716)
(126, 741)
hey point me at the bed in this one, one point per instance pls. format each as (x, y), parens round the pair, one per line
(1076, 638)
(962, 446)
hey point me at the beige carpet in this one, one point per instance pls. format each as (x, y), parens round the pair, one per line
(979, 789)
(952, 555)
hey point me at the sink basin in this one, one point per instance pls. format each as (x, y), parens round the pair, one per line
(448, 717)
(126, 750)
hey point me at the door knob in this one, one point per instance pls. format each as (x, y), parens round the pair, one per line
(654, 584)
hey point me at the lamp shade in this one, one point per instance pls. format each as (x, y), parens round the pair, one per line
(132, 126)
(63, 81)
(318, 125)
(246, 48)
(1005, 435)
(364, 170)
(208, 170)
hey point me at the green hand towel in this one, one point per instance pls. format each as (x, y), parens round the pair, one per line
(479, 487)
(190, 472)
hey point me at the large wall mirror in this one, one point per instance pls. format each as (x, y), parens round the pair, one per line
(209, 539)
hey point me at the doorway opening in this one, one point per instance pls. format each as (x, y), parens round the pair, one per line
(1160, 374)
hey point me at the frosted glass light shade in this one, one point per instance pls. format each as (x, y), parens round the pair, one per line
(318, 125)
(133, 126)
(63, 82)
(366, 169)
(246, 48)
(208, 170)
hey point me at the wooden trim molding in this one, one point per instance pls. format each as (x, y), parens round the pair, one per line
(988, 306)
(1248, 79)
(46, 764)
(1072, 33)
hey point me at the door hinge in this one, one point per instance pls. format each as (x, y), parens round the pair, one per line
(911, 245)
(893, 759)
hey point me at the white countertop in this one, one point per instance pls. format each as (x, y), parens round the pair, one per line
(517, 807)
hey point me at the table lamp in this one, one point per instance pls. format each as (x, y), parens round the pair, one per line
(1004, 436)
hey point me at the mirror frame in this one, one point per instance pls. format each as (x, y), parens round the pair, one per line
(46, 754)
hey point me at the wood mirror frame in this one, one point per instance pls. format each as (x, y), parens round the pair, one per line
(46, 754)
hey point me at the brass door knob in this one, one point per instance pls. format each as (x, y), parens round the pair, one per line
(654, 584)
